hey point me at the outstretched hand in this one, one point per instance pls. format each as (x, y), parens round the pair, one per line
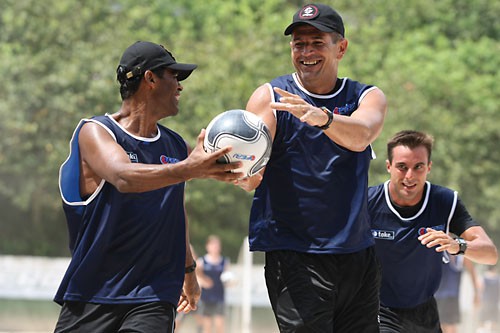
(249, 183)
(204, 165)
(295, 105)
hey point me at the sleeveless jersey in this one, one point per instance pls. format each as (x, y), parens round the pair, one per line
(215, 294)
(313, 196)
(411, 272)
(126, 247)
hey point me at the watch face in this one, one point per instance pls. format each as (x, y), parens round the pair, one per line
(462, 245)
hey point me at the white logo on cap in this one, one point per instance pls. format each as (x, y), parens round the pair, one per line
(309, 12)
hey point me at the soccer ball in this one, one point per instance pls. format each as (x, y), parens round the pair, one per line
(246, 133)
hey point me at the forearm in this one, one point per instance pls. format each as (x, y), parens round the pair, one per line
(352, 133)
(481, 252)
(480, 248)
(134, 177)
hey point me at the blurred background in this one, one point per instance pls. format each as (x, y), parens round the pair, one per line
(437, 62)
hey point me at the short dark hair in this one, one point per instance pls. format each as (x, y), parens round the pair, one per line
(410, 139)
(129, 86)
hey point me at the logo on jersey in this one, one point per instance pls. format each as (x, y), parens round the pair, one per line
(133, 157)
(423, 230)
(346, 109)
(383, 234)
(168, 160)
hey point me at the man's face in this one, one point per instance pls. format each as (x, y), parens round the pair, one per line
(409, 169)
(168, 92)
(314, 53)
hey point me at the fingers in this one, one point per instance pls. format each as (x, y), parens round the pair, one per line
(284, 92)
(186, 305)
(438, 239)
(201, 137)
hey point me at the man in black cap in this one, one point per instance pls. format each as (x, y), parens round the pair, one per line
(123, 195)
(309, 212)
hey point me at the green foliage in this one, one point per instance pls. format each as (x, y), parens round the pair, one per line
(437, 62)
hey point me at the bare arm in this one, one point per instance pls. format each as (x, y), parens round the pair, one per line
(259, 103)
(353, 132)
(103, 158)
(480, 248)
(191, 291)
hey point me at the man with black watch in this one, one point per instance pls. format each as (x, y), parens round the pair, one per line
(417, 226)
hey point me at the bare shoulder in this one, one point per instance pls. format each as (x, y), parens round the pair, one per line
(259, 103)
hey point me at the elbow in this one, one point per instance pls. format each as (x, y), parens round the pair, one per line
(123, 186)
(364, 140)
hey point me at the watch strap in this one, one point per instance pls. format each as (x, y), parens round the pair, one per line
(329, 121)
(190, 268)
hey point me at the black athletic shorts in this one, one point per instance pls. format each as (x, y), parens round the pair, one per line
(114, 318)
(324, 293)
(423, 318)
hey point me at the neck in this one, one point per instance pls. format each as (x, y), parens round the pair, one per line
(136, 120)
(319, 86)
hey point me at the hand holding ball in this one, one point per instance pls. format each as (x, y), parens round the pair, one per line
(246, 133)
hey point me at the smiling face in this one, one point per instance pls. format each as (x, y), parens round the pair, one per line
(409, 169)
(315, 56)
(166, 92)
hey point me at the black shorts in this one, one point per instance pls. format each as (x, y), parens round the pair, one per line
(449, 310)
(423, 318)
(105, 318)
(324, 293)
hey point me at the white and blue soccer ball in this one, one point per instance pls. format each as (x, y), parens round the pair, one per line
(246, 133)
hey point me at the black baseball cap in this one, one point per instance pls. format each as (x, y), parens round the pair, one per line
(141, 56)
(322, 17)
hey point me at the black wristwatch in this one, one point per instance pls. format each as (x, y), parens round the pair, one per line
(190, 269)
(462, 246)
(329, 121)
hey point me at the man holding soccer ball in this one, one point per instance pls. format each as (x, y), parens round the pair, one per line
(123, 195)
(309, 211)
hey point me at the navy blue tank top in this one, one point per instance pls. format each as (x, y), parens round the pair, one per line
(215, 294)
(313, 196)
(411, 272)
(126, 247)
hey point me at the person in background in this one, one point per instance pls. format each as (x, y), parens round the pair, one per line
(212, 267)
(123, 195)
(309, 213)
(412, 221)
(448, 294)
(490, 300)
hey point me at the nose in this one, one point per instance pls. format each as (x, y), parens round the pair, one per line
(308, 48)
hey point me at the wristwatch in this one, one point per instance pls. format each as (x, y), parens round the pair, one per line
(191, 268)
(330, 118)
(462, 246)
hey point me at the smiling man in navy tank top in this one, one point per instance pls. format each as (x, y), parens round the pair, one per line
(411, 221)
(123, 194)
(309, 212)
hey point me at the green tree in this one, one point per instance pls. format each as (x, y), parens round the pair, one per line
(437, 62)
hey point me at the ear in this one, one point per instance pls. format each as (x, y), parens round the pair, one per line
(388, 166)
(149, 77)
(342, 47)
(429, 167)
